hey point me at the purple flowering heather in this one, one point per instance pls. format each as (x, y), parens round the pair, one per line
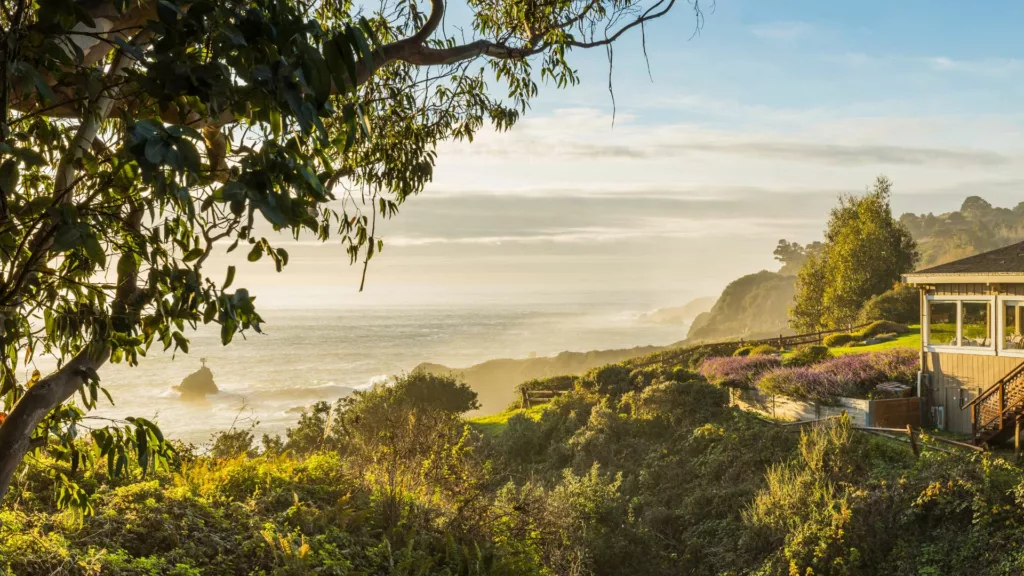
(737, 371)
(852, 376)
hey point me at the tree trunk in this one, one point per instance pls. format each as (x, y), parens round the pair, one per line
(49, 393)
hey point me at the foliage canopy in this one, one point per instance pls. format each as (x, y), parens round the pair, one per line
(138, 137)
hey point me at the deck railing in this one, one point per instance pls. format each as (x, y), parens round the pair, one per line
(991, 408)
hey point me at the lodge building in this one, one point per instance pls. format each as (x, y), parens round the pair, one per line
(972, 344)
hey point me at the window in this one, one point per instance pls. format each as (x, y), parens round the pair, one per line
(976, 323)
(942, 323)
(1013, 339)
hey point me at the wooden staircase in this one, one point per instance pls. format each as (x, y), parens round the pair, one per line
(996, 411)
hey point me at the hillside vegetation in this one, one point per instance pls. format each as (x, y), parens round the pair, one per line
(642, 468)
(977, 227)
(495, 381)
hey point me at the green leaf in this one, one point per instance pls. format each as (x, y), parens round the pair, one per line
(180, 341)
(359, 43)
(336, 65)
(167, 12)
(229, 279)
(94, 250)
(256, 253)
(193, 255)
(30, 157)
(156, 149)
(9, 176)
(234, 34)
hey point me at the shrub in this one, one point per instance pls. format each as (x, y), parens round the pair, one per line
(232, 444)
(680, 374)
(738, 371)
(882, 327)
(901, 304)
(744, 351)
(836, 340)
(564, 383)
(764, 350)
(850, 376)
(609, 380)
(879, 327)
(806, 355)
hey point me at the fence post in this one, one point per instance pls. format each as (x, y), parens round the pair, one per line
(780, 342)
(1016, 440)
(526, 399)
(913, 441)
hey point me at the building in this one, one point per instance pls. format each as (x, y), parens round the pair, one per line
(972, 345)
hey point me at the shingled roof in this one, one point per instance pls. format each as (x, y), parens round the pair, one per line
(1008, 260)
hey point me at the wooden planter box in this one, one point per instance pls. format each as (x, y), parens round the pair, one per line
(890, 413)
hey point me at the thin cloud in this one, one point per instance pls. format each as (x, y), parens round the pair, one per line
(642, 229)
(818, 153)
(781, 30)
(994, 67)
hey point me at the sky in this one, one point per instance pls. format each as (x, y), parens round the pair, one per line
(738, 136)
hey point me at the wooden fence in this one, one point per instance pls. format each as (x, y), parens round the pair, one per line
(536, 397)
(913, 436)
(797, 339)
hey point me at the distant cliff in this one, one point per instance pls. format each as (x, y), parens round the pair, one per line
(680, 314)
(495, 380)
(753, 306)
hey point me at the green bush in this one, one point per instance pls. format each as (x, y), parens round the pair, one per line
(744, 351)
(610, 380)
(680, 374)
(807, 355)
(880, 327)
(763, 350)
(837, 340)
(901, 304)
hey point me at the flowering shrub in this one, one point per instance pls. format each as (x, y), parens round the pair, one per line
(850, 376)
(738, 371)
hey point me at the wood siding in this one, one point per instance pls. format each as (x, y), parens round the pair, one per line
(958, 378)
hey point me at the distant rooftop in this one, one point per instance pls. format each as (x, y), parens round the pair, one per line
(1008, 260)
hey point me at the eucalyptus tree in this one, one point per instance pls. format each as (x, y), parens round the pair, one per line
(138, 136)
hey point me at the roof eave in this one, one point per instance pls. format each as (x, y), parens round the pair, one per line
(916, 278)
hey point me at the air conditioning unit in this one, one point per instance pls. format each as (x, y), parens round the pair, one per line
(939, 417)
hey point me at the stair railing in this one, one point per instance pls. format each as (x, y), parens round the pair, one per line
(991, 405)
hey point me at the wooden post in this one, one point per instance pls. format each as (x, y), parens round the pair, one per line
(913, 441)
(1016, 440)
(1016, 319)
(526, 399)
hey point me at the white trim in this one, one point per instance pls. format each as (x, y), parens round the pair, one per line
(1002, 301)
(958, 347)
(973, 350)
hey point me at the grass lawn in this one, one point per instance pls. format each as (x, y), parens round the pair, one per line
(911, 339)
(495, 423)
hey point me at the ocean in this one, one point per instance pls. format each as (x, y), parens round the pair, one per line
(308, 354)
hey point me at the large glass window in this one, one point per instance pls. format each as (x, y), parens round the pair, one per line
(977, 324)
(1013, 339)
(942, 323)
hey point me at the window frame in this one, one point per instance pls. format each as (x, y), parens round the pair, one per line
(1001, 327)
(958, 348)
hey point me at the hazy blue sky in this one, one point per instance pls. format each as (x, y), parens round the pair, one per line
(747, 134)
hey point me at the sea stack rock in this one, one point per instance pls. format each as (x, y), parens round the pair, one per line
(197, 385)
